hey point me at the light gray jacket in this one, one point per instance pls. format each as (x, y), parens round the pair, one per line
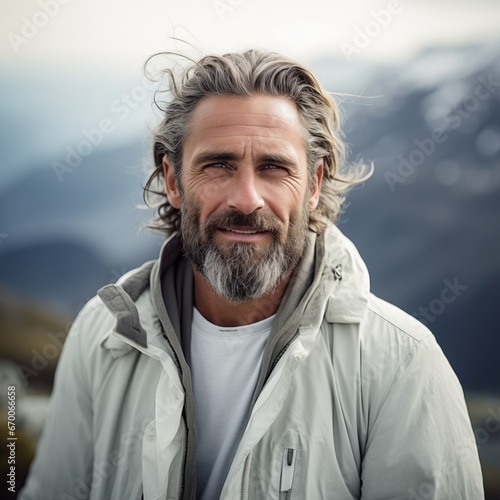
(355, 398)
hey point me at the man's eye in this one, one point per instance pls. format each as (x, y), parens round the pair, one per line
(274, 167)
(216, 165)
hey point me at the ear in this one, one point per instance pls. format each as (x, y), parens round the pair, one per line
(173, 195)
(316, 188)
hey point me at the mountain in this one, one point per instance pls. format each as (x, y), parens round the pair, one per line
(427, 223)
(429, 216)
(60, 274)
(63, 240)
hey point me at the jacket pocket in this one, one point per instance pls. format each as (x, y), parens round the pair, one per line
(287, 473)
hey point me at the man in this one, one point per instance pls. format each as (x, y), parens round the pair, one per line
(251, 360)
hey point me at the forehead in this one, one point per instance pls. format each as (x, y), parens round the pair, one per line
(230, 118)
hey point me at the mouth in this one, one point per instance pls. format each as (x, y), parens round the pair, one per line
(241, 231)
(243, 234)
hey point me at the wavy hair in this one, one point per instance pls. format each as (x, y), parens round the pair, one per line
(245, 74)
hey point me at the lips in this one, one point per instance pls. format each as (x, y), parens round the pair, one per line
(234, 225)
(241, 231)
(243, 234)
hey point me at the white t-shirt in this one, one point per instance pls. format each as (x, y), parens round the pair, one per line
(225, 364)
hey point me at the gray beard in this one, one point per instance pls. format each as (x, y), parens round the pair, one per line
(241, 272)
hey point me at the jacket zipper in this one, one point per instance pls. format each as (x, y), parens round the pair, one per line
(246, 470)
(279, 356)
(183, 466)
(271, 368)
(287, 472)
(184, 457)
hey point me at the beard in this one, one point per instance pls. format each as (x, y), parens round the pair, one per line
(242, 272)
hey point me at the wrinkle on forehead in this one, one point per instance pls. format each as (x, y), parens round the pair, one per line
(236, 131)
(213, 114)
(250, 119)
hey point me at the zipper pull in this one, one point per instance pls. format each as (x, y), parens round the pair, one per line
(287, 470)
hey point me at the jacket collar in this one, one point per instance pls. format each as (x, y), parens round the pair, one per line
(349, 294)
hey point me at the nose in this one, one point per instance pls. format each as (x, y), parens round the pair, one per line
(244, 194)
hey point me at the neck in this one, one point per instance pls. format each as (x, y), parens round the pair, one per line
(222, 312)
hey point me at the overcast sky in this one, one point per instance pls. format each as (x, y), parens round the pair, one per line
(119, 34)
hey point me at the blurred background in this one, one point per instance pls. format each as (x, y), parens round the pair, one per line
(419, 84)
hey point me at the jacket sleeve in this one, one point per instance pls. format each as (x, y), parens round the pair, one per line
(421, 445)
(62, 468)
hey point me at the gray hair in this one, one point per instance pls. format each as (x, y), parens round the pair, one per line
(249, 73)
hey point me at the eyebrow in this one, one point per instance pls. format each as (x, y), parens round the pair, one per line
(214, 157)
(225, 156)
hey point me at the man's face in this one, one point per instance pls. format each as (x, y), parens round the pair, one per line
(245, 196)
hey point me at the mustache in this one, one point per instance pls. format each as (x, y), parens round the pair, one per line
(255, 221)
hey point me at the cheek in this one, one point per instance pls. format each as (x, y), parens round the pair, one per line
(289, 201)
(207, 192)
(202, 203)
